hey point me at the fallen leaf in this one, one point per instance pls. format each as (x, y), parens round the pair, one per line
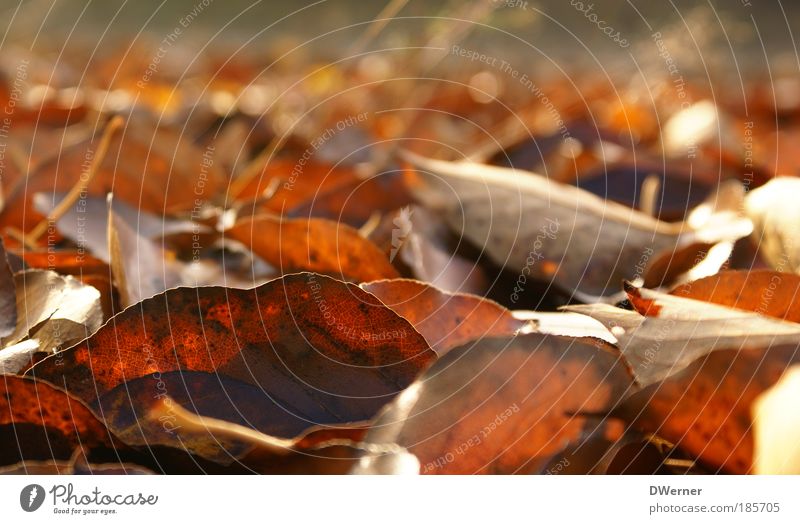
(308, 454)
(128, 410)
(314, 244)
(764, 292)
(555, 232)
(87, 269)
(326, 350)
(420, 241)
(446, 320)
(55, 310)
(614, 452)
(86, 223)
(150, 167)
(353, 203)
(76, 263)
(672, 268)
(45, 423)
(566, 324)
(140, 268)
(501, 405)
(297, 182)
(705, 408)
(667, 332)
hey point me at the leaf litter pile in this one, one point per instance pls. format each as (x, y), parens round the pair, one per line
(207, 281)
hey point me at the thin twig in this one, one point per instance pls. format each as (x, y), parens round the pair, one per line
(67, 202)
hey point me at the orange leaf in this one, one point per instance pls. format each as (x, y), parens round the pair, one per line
(315, 244)
(324, 349)
(446, 320)
(502, 405)
(705, 409)
(770, 293)
(39, 422)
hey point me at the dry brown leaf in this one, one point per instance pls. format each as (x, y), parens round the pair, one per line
(769, 293)
(86, 223)
(669, 332)
(45, 423)
(502, 405)
(560, 233)
(140, 268)
(418, 239)
(54, 310)
(152, 168)
(153, 410)
(705, 408)
(325, 350)
(315, 452)
(314, 244)
(446, 320)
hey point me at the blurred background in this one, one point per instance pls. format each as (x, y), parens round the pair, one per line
(758, 34)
